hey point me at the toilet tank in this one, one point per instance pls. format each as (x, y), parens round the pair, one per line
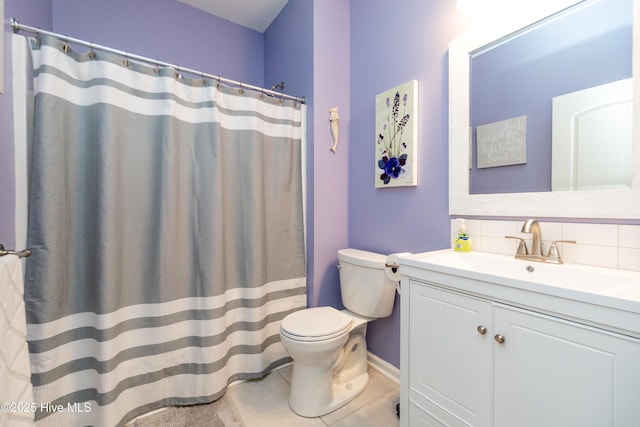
(365, 288)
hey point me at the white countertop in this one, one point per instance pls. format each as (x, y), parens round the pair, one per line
(602, 297)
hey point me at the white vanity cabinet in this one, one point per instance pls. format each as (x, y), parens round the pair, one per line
(450, 363)
(549, 371)
(469, 359)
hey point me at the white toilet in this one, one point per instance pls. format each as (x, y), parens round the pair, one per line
(328, 346)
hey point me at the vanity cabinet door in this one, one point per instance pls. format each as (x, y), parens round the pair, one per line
(551, 372)
(450, 356)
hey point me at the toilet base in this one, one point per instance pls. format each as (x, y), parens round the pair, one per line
(345, 393)
(319, 387)
(328, 374)
(341, 395)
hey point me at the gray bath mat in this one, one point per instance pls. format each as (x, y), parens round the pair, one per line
(221, 413)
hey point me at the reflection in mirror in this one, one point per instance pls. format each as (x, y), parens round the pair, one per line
(614, 204)
(592, 137)
(520, 82)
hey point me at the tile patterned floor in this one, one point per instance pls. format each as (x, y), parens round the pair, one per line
(264, 403)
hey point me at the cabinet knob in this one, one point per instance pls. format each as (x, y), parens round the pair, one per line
(499, 338)
(482, 329)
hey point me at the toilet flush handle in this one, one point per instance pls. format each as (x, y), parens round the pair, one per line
(393, 265)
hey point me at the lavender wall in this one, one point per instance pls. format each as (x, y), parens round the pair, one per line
(288, 50)
(331, 175)
(168, 30)
(391, 43)
(318, 55)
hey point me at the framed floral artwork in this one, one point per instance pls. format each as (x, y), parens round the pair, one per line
(397, 136)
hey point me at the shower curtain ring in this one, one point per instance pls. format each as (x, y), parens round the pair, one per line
(203, 80)
(178, 75)
(92, 53)
(126, 60)
(219, 84)
(241, 90)
(156, 69)
(38, 37)
(65, 47)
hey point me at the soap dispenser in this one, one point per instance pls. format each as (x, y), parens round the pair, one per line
(462, 241)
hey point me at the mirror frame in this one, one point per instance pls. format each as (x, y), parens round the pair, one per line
(622, 204)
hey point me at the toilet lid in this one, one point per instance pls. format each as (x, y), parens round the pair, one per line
(314, 324)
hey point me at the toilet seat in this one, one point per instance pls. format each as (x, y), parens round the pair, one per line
(315, 324)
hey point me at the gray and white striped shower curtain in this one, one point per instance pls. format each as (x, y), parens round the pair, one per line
(167, 230)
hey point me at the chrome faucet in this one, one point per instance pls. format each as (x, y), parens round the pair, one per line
(532, 226)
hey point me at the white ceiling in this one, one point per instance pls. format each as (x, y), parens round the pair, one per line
(254, 14)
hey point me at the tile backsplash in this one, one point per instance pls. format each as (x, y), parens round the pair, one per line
(603, 245)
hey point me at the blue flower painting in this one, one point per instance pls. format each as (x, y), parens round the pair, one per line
(396, 133)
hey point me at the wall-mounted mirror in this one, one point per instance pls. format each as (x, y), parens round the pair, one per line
(503, 95)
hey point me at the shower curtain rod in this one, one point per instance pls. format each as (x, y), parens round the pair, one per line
(22, 27)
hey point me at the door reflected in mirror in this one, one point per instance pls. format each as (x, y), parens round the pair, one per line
(592, 139)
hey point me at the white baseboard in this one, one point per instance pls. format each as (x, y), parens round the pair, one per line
(384, 367)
